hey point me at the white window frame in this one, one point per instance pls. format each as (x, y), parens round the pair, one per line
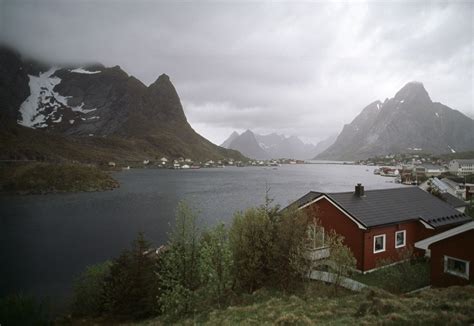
(404, 238)
(466, 275)
(384, 243)
(313, 230)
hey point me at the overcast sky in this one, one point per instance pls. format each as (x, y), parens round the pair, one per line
(301, 68)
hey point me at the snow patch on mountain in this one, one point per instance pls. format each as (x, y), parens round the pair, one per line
(81, 109)
(83, 71)
(44, 103)
(41, 92)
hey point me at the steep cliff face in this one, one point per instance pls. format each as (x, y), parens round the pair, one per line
(95, 101)
(13, 84)
(408, 121)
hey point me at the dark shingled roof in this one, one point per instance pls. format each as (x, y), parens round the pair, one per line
(453, 201)
(391, 206)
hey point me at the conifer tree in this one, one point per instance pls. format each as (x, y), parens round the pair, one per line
(132, 288)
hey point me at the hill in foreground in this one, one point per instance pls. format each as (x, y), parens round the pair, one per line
(447, 306)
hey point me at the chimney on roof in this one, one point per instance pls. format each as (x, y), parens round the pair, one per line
(359, 190)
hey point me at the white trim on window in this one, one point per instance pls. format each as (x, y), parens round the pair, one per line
(375, 241)
(454, 272)
(404, 232)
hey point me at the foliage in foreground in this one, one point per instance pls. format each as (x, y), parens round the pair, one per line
(448, 306)
(89, 290)
(202, 270)
(409, 275)
(132, 288)
(22, 310)
(179, 275)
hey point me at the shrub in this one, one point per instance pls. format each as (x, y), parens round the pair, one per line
(251, 245)
(215, 261)
(89, 290)
(131, 289)
(288, 261)
(22, 310)
(179, 274)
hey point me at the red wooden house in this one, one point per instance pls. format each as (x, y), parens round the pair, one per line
(378, 224)
(451, 255)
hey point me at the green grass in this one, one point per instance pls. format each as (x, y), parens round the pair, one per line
(399, 278)
(449, 306)
(41, 178)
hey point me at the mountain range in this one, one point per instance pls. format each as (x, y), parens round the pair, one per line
(273, 145)
(91, 113)
(410, 121)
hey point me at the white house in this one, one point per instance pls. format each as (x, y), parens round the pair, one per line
(461, 167)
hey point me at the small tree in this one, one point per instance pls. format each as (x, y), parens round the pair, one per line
(20, 309)
(132, 287)
(341, 257)
(215, 261)
(289, 259)
(179, 274)
(89, 290)
(251, 245)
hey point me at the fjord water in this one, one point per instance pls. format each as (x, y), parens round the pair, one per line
(47, 240)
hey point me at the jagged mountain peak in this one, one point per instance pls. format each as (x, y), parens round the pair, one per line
(76, 102)
(271, 145)
(407, 121)
(413, 92)
(163, 81)
(230, 139)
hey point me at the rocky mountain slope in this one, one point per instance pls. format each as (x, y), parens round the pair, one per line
(324, 144)
(410, 121)
(247, 144)
(270, 146)
(94, 106)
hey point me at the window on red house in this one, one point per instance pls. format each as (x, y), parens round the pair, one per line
(456, 267)
(379, 243)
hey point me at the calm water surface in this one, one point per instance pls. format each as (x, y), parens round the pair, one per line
(47, 240)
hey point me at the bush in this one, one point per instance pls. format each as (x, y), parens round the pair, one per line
(215, 262)
(22, 310)
(288, 260)
(251, 245)
(179, 274)
(89, 290)
(131, 289)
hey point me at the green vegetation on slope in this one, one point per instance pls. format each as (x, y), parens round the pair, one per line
(400, 278)
(448, 306)
(20, 143)
(41, 178)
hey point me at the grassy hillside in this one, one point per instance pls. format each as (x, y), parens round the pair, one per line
(41, 178)
(450, 306)
(17, 143)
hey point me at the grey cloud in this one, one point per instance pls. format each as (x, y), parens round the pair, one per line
(303, 68)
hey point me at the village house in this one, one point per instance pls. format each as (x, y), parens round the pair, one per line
(430, 170)
(451, 255)
(378, 224)
(446, 192)
(164, 161)
(461, 167)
